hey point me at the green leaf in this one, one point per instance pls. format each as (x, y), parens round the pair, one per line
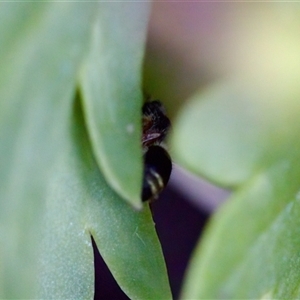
(81, 203)
(230, 131)
(111, 87)
(41, 47)
(247, 139)
(251, 249)
(53, 195)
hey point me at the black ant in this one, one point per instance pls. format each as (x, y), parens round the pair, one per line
(157, 161)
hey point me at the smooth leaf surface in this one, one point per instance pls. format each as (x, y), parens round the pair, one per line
(251, 249)
(111, 88)
(230, 131)
(81, 203)
(53, 195)
(41, 47)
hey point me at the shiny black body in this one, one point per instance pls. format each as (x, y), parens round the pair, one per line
(158, 167)
(157, 162)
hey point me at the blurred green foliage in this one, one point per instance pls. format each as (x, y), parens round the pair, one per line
(241, 130)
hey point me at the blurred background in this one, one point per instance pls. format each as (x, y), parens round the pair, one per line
(184, 55)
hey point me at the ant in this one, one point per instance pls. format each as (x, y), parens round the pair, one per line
(157, 161)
